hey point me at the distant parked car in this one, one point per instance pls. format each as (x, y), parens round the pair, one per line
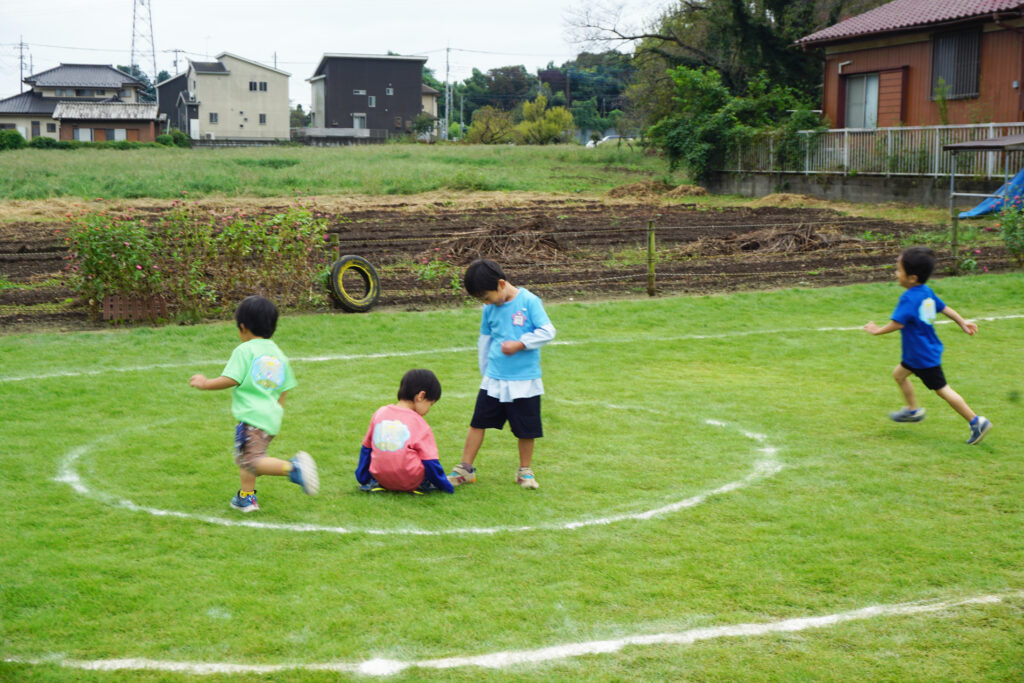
(609, 138)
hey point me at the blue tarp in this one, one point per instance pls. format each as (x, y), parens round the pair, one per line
(1012, 189)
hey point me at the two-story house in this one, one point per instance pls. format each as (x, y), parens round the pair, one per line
(367, 95)
(232, 98)
(92, 102)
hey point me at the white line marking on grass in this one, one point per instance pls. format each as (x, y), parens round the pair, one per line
(765, 466)
(509, 658)
(459, 349)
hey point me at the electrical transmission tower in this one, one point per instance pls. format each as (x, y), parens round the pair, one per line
(142, 37)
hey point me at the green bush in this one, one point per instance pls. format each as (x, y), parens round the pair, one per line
(181, 139)
(198, 261)
(165, 140)
(42, 142)
(11, 139)
(1011, 229)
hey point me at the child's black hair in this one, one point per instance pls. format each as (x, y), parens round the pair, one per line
(258, 314)
(415, 381)
(919, 261)
(482, 276)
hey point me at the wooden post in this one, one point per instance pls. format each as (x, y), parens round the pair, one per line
(650, 258)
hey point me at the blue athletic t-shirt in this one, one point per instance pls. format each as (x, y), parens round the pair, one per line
(916, 311)
(509, 322)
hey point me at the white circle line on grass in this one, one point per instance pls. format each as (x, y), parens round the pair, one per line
(454, 349)
(506, 659)
(765, 466)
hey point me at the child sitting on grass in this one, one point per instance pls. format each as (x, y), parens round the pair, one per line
(260, 377)
(914, 317)
(399, 452)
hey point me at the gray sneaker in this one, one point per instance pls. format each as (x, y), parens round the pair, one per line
(907, 415)
(978, 430)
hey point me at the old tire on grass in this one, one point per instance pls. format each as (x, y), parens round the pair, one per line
(352, 301)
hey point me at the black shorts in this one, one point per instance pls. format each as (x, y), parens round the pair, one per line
(933, 378)
(522, 414)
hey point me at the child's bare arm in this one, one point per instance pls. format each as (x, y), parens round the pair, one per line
(970, 328)
(890, 326)
(212, 384)
(280, 399)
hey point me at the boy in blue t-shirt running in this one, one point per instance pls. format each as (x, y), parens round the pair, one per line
(513, 328)
(914, 317)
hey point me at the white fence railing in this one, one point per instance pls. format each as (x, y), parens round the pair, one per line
(905, 150)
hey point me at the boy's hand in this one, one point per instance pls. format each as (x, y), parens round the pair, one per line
(511, 347)
(872, 328)
(197, 381)
(970, 328)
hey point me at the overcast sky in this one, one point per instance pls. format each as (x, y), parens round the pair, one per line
(484, 35)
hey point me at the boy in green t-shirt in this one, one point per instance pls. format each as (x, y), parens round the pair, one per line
(261, 377)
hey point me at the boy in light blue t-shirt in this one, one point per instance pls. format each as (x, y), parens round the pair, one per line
(261, 378)
(513, 328)
(914, 317)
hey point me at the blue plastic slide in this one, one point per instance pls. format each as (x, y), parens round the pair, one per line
(1012, 189)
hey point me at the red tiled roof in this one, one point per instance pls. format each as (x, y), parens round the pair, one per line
(906, 14)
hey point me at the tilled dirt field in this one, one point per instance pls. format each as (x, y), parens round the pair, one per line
(560, 248)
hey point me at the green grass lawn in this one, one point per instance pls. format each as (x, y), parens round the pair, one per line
(753, 425)
(288, 171)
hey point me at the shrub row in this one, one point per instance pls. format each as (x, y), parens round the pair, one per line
(199, 262)
(12, 139)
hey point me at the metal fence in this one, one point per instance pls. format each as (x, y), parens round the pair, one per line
(904, 150)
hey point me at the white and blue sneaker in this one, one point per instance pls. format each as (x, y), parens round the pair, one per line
(979, 428)
(245, 503)
(304, 473)
(907, 415)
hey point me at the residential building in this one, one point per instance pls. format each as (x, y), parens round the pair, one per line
(32, 112)
(232, 98)
(375, 96)
(924, 62)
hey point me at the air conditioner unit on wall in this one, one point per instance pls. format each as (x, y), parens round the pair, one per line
(208, 136)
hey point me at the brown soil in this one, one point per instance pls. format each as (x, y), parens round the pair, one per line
(560, 246)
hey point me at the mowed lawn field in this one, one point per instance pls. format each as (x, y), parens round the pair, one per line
(722, 497)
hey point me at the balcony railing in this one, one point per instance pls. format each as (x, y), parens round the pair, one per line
(904, 150)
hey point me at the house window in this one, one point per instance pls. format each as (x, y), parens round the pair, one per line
(862, 101)
(125, 94)
(263, 86)
(358, 92)
(371, 101)
(398, 122)
(252, 86)
(263, 119)
(64, 92)
(51, 128)
(359, 120)
(956, 60)
(389, 91)
(213, 117)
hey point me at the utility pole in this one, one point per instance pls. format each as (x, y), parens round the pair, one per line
(275, 59)
(462, 104)
(21, 64)
(176, 51)
(447, 93)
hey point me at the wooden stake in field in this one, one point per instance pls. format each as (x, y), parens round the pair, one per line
(650, 258)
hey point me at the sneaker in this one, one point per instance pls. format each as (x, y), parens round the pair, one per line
(907, 415)
(304, 473)
(245, 503)
(978, 430)
(462, 475)
(371, 486)
(525, 478)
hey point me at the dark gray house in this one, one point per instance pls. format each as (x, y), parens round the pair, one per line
(365, 96)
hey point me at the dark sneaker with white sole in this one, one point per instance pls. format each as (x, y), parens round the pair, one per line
(907, 415)
(304, 473)
(978, 430)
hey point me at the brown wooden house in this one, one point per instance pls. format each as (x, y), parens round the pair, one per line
(899, 63)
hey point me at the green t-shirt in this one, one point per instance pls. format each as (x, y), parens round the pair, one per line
(263, 374)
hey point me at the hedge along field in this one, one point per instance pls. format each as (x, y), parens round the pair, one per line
(395, 169)
(719, 483)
